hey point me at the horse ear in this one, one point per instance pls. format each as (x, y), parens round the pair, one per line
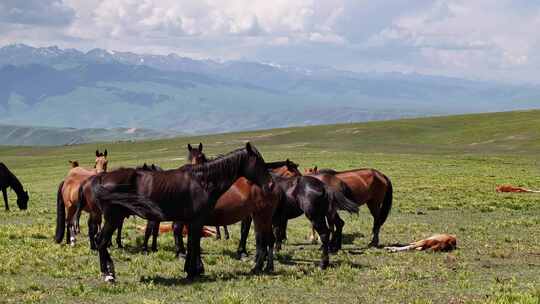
(105, 153)
(200, 147)
(315, 169)
(249, 148)
(97, 153)
(144, 166)
(189, 147)
(153, 167)
(288, 162)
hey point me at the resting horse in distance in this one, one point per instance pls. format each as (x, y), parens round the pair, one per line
(186, 194)
(437, 242)
(8, 179)
(68, 196)
(368, 186)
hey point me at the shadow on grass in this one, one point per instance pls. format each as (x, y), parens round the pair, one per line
(175, 281)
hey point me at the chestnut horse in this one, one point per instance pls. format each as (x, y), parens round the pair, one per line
(368, 186)
(437, 242)
(187, 194)
(68, 196)
(8, 179)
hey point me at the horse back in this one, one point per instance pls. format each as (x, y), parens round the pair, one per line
(364, 183)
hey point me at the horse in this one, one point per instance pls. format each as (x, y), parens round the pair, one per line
(437, 242)
(316, 200)
(244, 201)
(68, 196)
(186, 194)
(8, 179)
(368, 186)
(196, 157)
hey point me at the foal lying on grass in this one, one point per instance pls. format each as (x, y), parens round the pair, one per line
(437, 242)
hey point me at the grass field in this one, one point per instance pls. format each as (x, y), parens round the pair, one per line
(444, 172)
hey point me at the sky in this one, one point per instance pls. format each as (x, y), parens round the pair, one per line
(475, 39)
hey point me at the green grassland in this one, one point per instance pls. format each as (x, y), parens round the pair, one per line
(444, 171)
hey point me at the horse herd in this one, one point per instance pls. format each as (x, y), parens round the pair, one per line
(237, 186)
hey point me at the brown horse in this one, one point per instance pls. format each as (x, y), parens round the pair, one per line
(437, 242)
(8, 179)
(245, 200)
(68, 196)
(368, 186)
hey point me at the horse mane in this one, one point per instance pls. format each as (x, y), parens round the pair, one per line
(328, 171)
(13, 181)
(220, 168)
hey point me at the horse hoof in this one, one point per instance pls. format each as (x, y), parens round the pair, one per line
(269, 270)
(324, 265)
(256, 271)
(109, 278)
(373, 244)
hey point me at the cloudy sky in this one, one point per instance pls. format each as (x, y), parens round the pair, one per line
(479, 39)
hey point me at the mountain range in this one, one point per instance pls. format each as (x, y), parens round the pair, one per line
(68, 88)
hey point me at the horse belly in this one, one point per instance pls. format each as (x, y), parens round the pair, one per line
(232, 207)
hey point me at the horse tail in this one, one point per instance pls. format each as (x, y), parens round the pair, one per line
(338, 199)
(136, 204)
(60, 215)
(387, 202)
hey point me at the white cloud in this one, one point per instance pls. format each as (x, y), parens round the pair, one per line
(479, 39)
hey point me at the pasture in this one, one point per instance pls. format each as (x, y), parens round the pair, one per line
(444, 171)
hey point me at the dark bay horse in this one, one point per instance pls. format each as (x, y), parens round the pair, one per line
(312, 197)
(368, 186)
(187, 194)
(8, 179)
(68, 197)
(196, 156)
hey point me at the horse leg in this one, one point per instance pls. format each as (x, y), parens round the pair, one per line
(218, 233)
(337, 235)
(70, 239)
(319, 223)
(147, 232)
(375, 210)
(106, 263)
(4, 194)
(193, 265)
(263, 229)
(92, 230)
(78, 222)
(155, 234)
(227, 236)
(244, 232)
(119, 234)
(179, 239)
(280, 229)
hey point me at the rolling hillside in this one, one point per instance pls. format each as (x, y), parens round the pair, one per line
(491, 133)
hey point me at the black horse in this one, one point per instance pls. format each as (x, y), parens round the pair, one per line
(8, 179)
(187, 194)
(319, 202)
(196, 156)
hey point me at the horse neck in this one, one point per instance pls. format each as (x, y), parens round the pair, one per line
(216, 175)
(15, 184)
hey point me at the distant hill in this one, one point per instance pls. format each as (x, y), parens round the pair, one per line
(38, 136)
(105, 89)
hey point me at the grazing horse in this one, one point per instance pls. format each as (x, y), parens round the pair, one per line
(368, 186)
(186, 194)
(8, 179)
(197, 157)
(312, 197)
(437, 242)
(68, 196)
